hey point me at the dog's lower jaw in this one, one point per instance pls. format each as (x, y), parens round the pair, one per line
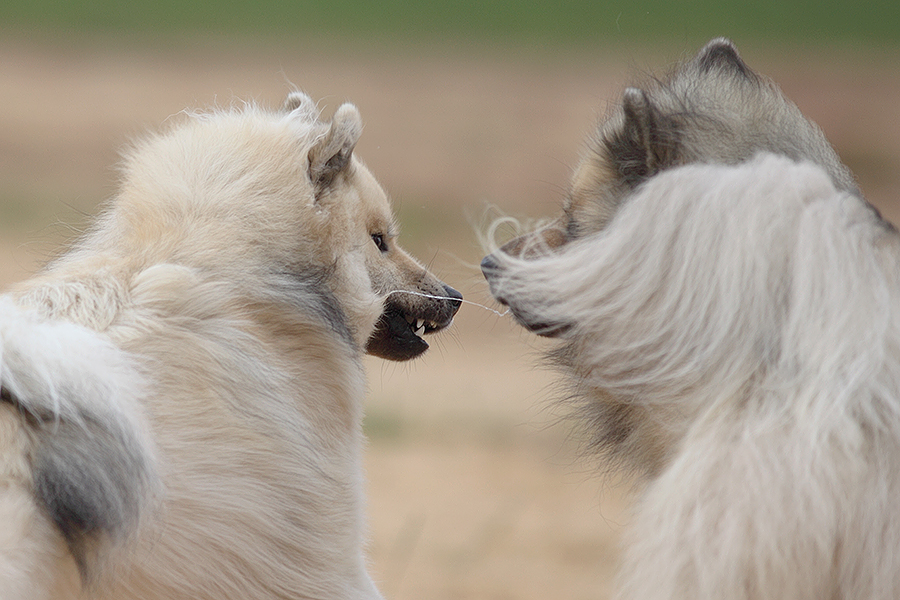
(395, 339)
(398, 332)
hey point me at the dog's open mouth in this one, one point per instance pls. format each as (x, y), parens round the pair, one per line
(398, 334)
(422, 326)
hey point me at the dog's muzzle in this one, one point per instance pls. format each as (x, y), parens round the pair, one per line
(400, 330)
(493, 273)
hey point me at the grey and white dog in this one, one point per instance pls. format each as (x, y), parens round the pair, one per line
(728, 311)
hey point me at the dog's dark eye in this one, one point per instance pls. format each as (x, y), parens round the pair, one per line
(379, 242)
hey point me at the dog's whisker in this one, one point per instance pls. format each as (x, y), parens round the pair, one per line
(424, 295)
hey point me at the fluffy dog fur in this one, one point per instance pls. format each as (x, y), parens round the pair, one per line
(182, 392)
(727, 306)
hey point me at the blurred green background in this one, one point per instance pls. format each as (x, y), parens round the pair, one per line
(531, 22)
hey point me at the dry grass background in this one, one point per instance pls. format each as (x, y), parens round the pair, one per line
(475, 491)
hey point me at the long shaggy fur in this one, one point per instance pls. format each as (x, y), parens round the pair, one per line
(735, 333)
(726, 305)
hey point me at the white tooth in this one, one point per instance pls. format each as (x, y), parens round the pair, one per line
(419, 324)
(420, 331)
(410, 319)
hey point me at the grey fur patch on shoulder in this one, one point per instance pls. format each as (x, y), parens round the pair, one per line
(90, 479)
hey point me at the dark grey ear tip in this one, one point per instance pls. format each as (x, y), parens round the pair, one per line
(634, 100)
(722, 54)
(721, 44)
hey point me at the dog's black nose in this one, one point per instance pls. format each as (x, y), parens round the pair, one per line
(456, 296)
(491, 269)
(488, 265)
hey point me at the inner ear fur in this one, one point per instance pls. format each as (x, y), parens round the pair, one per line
(647, 141)
(331, 153)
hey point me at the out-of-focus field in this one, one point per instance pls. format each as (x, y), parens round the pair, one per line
(475, 491)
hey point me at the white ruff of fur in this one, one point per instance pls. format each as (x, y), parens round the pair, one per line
(752, 311)
(709, 278)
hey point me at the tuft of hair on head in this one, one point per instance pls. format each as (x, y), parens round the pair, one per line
(299, 104)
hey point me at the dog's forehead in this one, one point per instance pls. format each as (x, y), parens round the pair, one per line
(374, 201)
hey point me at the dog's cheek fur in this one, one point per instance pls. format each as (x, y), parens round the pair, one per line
(622, 432)
(594, 196)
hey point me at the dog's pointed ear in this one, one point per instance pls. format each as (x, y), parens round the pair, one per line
(301, 105)
(330, 155)
(722, 55)
(647, 142)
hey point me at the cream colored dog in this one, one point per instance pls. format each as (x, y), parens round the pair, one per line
(182, 392)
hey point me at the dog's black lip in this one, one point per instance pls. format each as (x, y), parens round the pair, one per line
(547, 330)
(395, 339)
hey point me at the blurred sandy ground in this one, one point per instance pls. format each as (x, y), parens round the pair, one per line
(475, 490)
